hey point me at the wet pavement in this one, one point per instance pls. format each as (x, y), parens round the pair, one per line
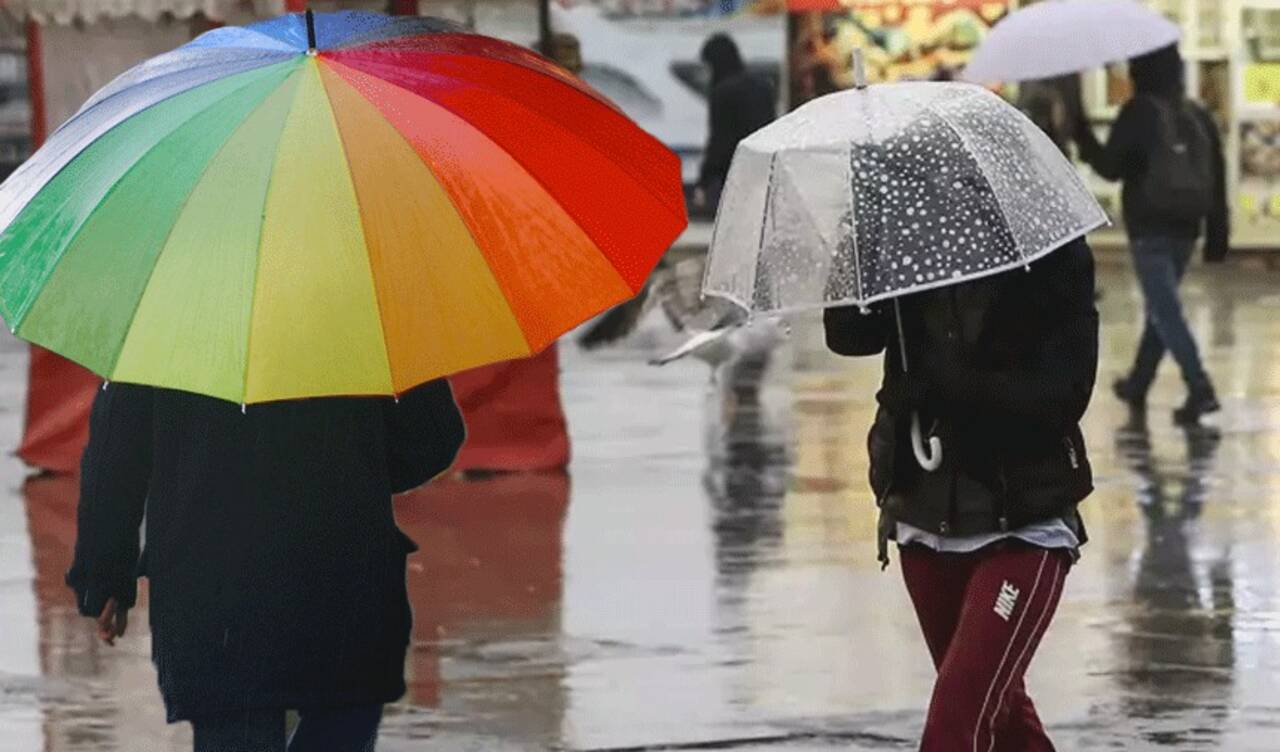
(705, 577)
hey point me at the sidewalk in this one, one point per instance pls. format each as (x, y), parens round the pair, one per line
(705, 579)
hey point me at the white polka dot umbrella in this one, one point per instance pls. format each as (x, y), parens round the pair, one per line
(872, 193)
(878, 192)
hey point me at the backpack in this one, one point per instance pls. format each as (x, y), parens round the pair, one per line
(1178, 184)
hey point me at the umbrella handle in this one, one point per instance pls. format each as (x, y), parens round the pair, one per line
(930, 458)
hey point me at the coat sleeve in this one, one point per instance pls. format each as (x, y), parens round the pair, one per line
(1054, 390)
(1123, 156)
(720, 146)
(852, 332)
(1218, 222)
(424, 433)
(115, 471)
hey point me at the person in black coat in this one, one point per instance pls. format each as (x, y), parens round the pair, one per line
(1160, 126)
(740, 103)
(276, 569)
(1001, 369)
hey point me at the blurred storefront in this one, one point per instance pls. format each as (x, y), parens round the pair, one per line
(1253, 111)
(1232, 49)
(901, 40)
(15, 111)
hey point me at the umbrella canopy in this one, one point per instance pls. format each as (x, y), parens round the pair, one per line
(354, 208)
(1057, 37)
(873, 193)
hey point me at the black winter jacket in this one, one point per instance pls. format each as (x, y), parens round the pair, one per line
(276, 569)
(1003, 369)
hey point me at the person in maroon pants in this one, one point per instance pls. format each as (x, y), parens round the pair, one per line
(1002, 370)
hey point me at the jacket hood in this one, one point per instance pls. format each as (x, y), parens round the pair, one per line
(721, 54)
(1161, 72)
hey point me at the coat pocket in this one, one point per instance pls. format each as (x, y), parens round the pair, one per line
(1045, 483)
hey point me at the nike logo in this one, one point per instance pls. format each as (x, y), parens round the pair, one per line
(1006, 601)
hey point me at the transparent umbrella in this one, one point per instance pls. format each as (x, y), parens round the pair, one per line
(882, 191)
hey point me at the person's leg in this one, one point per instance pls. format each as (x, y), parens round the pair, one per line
(1160, 264)
(1145, 365)
(352, 729)
(1010, 600)
(1183, 251)
(252, 731)
(1020, 729)
(936, 583)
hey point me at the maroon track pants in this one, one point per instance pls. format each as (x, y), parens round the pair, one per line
(983, 615)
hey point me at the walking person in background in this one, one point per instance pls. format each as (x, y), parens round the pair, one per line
(1003, 368)
(740, 103)
(1168, 152)
(276, 569)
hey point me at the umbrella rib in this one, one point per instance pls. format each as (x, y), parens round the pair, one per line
(540, 183)
(884, 208)
(462, 218)
(411, 27)
(657, 198)
(277, 42)
(1100, 220)
(257, 262)
(518, 56)
(265, 60)
(115, 184)
(764, 221)
(853, 231)
(373, 278)
(13, 211)
(176, 218)
(1004, 212)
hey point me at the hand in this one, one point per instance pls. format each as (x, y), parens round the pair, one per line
(112, 622)
(902, 396)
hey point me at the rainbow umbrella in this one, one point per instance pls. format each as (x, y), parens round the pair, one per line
(350, 206)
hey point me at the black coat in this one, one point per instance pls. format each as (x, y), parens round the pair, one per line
(740, 104)
(276, 570)
(1005, 367)
(1125, 156)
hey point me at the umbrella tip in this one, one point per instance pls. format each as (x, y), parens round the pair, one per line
(311, 32)
(859, 69)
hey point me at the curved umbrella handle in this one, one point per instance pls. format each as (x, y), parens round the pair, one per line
(929, 458)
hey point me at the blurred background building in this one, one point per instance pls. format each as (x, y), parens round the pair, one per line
(643, 54)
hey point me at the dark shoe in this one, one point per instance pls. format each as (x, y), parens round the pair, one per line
(1127, 393)
(1197, 406)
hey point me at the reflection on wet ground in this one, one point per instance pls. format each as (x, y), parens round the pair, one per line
(706, 577)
